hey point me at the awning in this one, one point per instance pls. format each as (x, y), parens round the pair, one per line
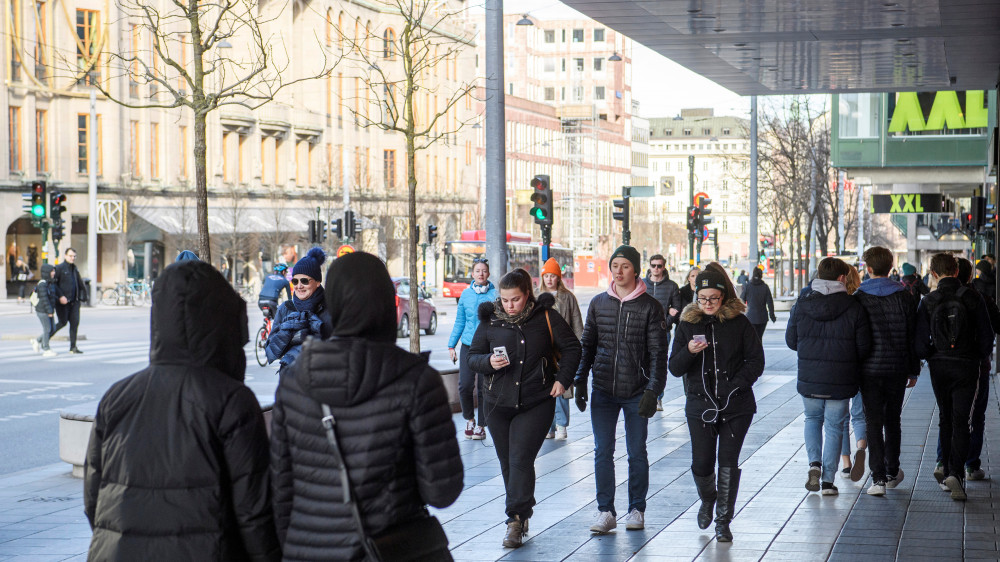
(176, 220)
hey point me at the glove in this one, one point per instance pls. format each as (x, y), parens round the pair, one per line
(580, 394)
(299, 337)
(647, 404)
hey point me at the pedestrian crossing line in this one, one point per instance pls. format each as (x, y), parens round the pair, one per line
(12, 417)
(26, 349)
(29, 381)
(36, 390)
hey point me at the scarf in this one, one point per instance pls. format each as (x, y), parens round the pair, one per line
(518, 318)
(311, 303)
(480, 289)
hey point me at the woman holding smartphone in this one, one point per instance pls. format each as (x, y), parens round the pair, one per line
(528, 356)
(719, 355)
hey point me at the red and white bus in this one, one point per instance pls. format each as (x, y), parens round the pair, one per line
(521, 252)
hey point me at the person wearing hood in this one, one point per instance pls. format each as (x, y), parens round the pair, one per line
(719, 355)
(389, 414)
(986, 280)
(890, 369)
(913, 283)
(44, 310)
(567, 307)
(830, 331)
(625, 345)
(303, 315)
(470, 383)
(540, 356)
(759, 301)
(187, 255)
(177, 464)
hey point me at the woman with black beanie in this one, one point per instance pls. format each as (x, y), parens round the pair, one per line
(389, 413)
(720, 356)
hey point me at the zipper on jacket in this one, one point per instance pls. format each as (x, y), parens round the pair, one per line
(618, 330)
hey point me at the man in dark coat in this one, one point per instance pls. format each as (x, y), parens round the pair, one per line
(913, 283)
(829, 329)
(986, 280)
(890, 369)
(760, 303)
(70, 292)
(177, 466)
(660, 287)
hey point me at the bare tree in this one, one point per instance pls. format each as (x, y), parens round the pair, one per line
(231, 62)
(428, 37)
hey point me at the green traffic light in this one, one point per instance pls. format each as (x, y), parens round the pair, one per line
(538, 213)
(38, 210)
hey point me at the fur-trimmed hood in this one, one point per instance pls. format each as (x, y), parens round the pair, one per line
(542, 301)
(729, 310)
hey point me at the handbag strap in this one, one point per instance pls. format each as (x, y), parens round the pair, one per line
(552, 339)
(330, 423)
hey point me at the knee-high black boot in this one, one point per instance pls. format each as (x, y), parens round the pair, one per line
(708, 494)
(725, 507)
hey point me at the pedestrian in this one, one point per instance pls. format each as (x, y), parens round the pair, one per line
(177, 464)
(624, 340)
(289, 257)
(187, 255)
(954, 334)
(272, 290)
(667, 293)
(20, 274)
(854, 469)
(913, 283)
(743, 279)
(986, 280)
(830, 331)
(470, 383)
(567, 307)
(759, 302)
(387, 412)
(70, 292)
(44, 302)
(894, 275)
(303, 315)
(687, 291)
(719, 354)
(528, 356)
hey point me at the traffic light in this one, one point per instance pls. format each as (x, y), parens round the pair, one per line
(704, 210)
(432, 233)
(621, 211)
(991, 217)
(322, 232)
(541, 196)
(416, 233)
(313, 231)
(38, 199)
(692, 219)
(965, 219)
(978, 219)
(713, 236)
(56, 207)
(337, 229)
(351, 225)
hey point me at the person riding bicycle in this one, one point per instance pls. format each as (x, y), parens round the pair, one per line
(270, 291)
(303, 316)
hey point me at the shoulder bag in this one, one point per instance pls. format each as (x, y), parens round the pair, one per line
(421, 538)
(556, 356)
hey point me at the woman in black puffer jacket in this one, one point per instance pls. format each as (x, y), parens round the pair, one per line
(520, 391)
(718, 378)
(392, 422)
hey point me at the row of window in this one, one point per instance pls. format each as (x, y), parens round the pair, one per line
(706, 165)
(577, 92)
(576, 37)
(705, 131)
(87, 24)
(579, 64)
(685, 147)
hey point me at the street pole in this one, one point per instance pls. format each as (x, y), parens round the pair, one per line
(861, 221)
(92, 200)
(691, 260)
(754, 252)
(496, 184)
(841, 176)
(423, 261)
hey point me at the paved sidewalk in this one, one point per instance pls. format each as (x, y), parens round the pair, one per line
(41, 514)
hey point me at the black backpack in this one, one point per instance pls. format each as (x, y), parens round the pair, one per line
(951, 323)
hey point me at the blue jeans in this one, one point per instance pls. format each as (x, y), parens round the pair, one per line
(832, 414)
(857, 419)
(562, 413)
(604, 410)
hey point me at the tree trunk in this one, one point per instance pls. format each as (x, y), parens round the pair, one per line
(411, 246)
(201, 185)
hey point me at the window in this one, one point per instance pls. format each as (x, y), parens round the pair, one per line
(15, 138)
(83, 143)
(704, 166)
(389, 163)
(598, 92)
(41, 141)
(242, 158)
(278, 161)
(564, 36)
(680, 165)
(15, 41)
(550, 36)
(302, 163)
(182, 58)
(87, 27)
(468, 153)
(725, 207)
(389, 44)
(564, 65)
(687, 132)
(134, 141)
(549, 65)
(41, 40)
(599, 34)
(726, 132)
(563, 93)
(579, 64)
(598, 64)
(858, 115)
(725, 185)
(668, 133)
(510, 89)
(182, 133)
(706, 131)
(578, 36)
(550, 94)
(154, 150)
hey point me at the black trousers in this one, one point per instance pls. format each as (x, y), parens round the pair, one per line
(955, 384)
(883, 401)
(469, 383)
(68, 313)
(518, 434)
(974, 462)
(759, 328)
(722, 440)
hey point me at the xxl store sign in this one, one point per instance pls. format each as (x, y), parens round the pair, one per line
(936, 111)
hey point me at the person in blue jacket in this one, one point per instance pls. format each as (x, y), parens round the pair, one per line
(270, 292)
(466, 322)
(302, 316)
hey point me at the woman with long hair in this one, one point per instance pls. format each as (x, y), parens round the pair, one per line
(528, 356)
(567, 307)
(687, 290)
(759, 301)
(720, 357)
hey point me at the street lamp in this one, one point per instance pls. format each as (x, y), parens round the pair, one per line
(525, 20)
(614, 57)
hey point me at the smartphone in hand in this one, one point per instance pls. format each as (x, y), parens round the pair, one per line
(700, 338)
(501, 352)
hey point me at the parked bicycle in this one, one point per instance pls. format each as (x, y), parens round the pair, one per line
(260, 342)
(134, 293)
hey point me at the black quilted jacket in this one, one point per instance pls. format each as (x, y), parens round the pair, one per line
(625, 344)
(395, 431)
(893, 319)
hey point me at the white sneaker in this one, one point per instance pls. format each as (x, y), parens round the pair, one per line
(659, 405)
(561, 432)
(49, 353)
(604, 523)
(479, 433)
(877, 489)
(635, 521)
(894, 481)
(35, 345)
(550, 435)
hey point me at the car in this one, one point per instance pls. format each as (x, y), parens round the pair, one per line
(428, 312)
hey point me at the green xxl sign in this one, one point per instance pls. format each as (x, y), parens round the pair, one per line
(932, 111)
(908, 203)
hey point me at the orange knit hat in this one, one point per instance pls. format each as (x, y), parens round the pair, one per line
(551, 266)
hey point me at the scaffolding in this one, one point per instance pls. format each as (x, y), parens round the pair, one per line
(580, 138)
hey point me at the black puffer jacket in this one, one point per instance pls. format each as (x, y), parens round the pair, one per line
(832, 336)
(760, 303)
(529, 349)
(44, 289)
(177, 466)
(667, 293)
(721, 377)
(986, 284)
(892, 313)
(625, 343)
(68, 283)
(394, 428)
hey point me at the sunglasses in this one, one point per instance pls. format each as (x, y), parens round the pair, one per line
(707, 300)
(303, 280)
(482, 261)
(656, 265)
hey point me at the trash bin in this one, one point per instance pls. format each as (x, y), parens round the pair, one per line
(89, 302)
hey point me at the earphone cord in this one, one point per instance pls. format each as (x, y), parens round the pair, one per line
(714, 412)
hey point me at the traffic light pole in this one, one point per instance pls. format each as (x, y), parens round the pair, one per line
(546, 241)
(691, 235)
(423, 261)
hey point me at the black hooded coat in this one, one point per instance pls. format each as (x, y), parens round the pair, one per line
(177, 464)
(393, 424)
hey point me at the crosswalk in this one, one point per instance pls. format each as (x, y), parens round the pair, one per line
(134, 352)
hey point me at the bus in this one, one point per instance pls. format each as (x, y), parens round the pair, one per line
(521, 252)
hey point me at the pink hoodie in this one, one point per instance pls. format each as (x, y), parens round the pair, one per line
(640, 288)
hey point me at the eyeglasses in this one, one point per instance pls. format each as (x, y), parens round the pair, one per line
(709, 300)
(483, 261)
(657, 265)
(303, 280)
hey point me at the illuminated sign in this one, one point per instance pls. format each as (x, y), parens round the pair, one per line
(908, 203)
(936, 111)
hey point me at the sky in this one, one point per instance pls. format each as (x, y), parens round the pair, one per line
(661, 86)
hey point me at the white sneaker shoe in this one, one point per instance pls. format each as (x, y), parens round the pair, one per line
(894, 481)
(604, 523)
(35, 345)
(49, 353)
(561, 432)
(877, 489)
(635, 521)
(550, 435)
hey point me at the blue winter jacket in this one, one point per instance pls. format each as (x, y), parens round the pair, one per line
(287, 322)
(467, 317)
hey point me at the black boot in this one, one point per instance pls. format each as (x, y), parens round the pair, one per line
(725, 507)
(707, 493)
